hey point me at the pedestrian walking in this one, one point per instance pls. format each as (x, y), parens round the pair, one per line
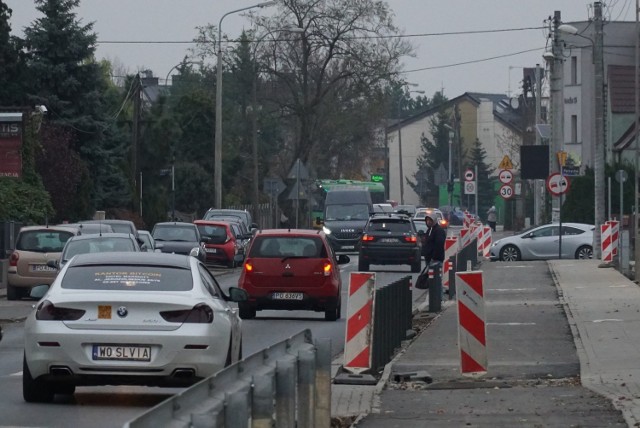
(492, 217)
(433, 241)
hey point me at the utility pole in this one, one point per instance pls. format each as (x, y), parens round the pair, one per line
(537, 194)
(636, 216)
(137, 90)
(598, 146)
(557, 108)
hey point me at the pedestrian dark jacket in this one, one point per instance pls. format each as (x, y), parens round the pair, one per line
(433, 243)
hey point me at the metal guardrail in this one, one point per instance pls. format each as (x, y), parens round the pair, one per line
(391, 320)
(286, 385)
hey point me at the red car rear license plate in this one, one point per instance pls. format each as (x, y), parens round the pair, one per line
(287, 296)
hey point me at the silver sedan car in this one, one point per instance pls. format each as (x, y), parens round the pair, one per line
(128, 318)
(543, 243)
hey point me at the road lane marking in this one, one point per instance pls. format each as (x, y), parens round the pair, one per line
(608, 320)
(511, 323)
(511, 289)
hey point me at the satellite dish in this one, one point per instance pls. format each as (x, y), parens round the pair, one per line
(515, 103)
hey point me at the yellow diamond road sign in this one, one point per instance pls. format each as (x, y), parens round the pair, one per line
(505, 163)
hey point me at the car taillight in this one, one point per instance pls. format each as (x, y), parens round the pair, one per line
(13, 259)
(367, 238)
(248, 266)
(443, 223)
(46, 311)
(199, 314)
(411, 239)
(327, 268)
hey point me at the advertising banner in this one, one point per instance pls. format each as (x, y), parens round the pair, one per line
(11, 145)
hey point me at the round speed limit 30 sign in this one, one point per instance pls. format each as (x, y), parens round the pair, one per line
(506, 191)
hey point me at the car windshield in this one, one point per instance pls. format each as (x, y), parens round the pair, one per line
(98, 245)
(286, 246)
(174, 233)
(347, 212)
(43, 241)
(127, 278)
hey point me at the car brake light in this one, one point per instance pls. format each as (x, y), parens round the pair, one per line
(199, 314)
(411, 239)
(48, 312)
(248, 267)
(327, 268)
(367, 238)
(13, 260)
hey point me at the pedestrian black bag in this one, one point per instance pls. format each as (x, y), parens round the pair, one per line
(422, 283)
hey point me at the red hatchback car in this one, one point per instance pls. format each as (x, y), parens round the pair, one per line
(223, 246)
(292, 269)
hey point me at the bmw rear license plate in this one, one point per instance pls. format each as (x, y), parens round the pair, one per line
(286, 296)
(388, 240)
(121, 352)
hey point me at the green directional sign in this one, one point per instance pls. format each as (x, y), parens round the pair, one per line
(377, 178)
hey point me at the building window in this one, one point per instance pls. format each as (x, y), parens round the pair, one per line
(574, 129)
(574, 70)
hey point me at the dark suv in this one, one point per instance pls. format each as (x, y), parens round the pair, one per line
(390, 239)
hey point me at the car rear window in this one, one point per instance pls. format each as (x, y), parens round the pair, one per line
(389, 226)
(121, 228)
(98, 245)
(218, 234)
(175, 233)
(136, 278)
(43, 241)
(276, 247)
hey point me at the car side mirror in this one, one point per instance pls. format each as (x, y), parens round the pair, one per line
(238, 294)
(254, 226)
(205, 239)
(53, 264)
(159, 246)
(38, 291)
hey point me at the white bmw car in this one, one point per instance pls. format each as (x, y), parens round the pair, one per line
(129, 318)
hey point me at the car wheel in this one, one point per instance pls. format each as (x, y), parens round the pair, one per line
(332, 315)
(415, 268)
(584, 252)
(34, 391)
(510, 253)
(65, 388)
(246, 312)
(13, 293)
(363, 266)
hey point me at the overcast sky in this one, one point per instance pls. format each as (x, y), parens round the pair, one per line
(436, 54)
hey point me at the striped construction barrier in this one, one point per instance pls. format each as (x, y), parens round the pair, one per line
(450, 250)
(467, 220)
(465, 236)
(472, 338)
(615, 234)
(484, 241)
(606, 243)
(359, 328)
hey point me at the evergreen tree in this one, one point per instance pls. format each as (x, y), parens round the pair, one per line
(11, 62)
(433, 154)
(65, 77)
(484, 185)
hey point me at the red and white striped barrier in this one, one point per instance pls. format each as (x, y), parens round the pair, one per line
(359, 333)
(615, 234)
(465, 237)
(472, 338)
(450, 250)
(467, 220)
(606, 243)
(484, 241)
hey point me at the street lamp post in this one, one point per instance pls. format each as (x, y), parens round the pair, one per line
(598, 144)
(217, 151)
(450, 182)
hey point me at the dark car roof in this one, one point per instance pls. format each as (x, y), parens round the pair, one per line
(290, 232)
(132, 258)
(96, 236)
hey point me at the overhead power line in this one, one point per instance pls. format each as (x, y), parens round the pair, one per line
(475, 61)
(391, 36)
